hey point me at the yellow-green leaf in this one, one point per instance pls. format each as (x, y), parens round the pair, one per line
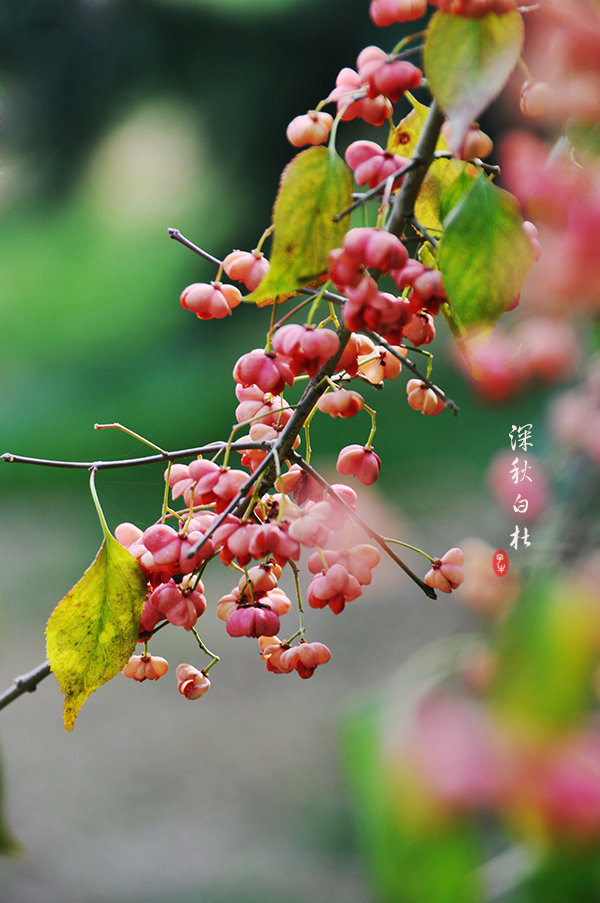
(93, 630)
(314, 187)
(442, 172)
(468, 61)
(484, 255)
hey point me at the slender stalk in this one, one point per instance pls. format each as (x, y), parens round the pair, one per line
(373, 534)
(414, 369)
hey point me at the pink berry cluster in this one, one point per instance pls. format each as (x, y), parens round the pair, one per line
(366, 93)
(262, 518)
(283, 659)
(216, 300)
(301, 515)
(474, 9)
(340, 576)
(447, 572)
(396, 317)
(369, 91)
(146, 667)
(389, 12)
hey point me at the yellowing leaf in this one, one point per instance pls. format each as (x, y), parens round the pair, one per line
(441, 173)
(314, 187)
(485, 255)
(468, 61)
(93, 630)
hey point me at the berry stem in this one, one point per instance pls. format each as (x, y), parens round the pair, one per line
(373, 415)
(264, 236)
(293, 311)
(415, 370)
(124, 429)
(315, 305)
(396, 52)
(373, 534)
(165, 504)
(206, 650)
(296, 574)
(407, 545)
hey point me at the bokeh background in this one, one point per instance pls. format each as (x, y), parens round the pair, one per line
(121, 118)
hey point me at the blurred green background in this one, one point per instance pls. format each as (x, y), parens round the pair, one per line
(122, 118)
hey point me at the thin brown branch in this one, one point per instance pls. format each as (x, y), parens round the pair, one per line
(25, 683)
(177, 235)
(404, 202)
(210, 449)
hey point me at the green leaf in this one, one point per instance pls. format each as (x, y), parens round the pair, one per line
(93, 630)
(441, 174)
(485, 255)
(454, 194)
(468, 61)
(314, 187)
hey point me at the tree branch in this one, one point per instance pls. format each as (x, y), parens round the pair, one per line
(25, 683)
(404, 202)
(211, 448)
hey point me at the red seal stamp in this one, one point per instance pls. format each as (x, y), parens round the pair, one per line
(500, 562)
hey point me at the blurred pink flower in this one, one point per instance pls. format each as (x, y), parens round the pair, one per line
(516, 478)
(563, 200)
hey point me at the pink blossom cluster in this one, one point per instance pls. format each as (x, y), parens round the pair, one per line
(502, 363)
(562, 197)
